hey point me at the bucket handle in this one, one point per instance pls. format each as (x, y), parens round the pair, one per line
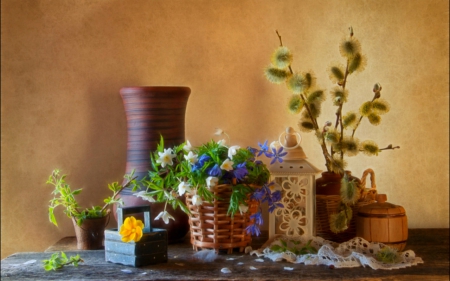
(122, 211)
(368, 194)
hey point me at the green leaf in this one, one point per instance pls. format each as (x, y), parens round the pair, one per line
(276, 248)
(63, 255)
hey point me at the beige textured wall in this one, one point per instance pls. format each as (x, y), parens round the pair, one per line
(63, 63)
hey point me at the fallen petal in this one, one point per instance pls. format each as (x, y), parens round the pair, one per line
(240, 263)
(253, 268)
(259, 260)
(230, 259)
(127, 271)
(225, 270)
(288, 268)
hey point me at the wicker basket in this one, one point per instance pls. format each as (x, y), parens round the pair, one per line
(326, 205)
(212, 228)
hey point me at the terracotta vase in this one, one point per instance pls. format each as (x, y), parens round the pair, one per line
(152, 112)
(91, 233)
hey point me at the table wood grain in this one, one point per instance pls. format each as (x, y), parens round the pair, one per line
(432, 245)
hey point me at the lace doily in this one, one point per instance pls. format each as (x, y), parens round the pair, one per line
(353, 253)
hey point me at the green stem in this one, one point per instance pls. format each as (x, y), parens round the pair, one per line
(117, 192)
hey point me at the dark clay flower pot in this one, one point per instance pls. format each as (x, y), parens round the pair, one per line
(330, 183)
(91, 233)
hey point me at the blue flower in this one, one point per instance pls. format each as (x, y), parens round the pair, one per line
(240, 172)
(277, 155)
(200, 162)
(215, 171)
(264, 149)
(202, 159)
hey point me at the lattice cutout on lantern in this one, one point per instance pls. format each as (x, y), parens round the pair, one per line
(295, 218)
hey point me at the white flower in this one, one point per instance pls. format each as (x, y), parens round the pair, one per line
(227, 165)
(187, 147)
(197, 200)
(166, 157)
(219, 132)
(183, 187)
(191, 157)
(222, 142)
(274, 145)
(165, 216)
(243, 208)
(232, 151)
(145, 196)
(211, 181)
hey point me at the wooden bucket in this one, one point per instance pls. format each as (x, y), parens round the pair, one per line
(383, 222)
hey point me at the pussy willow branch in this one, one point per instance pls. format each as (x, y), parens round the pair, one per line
(389, 147)
(328, 158)
(375, 96)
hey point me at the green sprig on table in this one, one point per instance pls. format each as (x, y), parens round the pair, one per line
(57, 261)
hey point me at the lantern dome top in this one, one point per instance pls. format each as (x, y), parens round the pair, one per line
(295, 159)
(290, 141)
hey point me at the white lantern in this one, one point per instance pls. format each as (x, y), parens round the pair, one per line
(295, 177)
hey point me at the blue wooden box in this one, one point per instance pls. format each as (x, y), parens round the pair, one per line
(151, 249)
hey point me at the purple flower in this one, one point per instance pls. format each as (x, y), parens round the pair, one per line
(258, 194)
(253, 229)
(277, 155)
(257, 217)
(215, 171)
(276, 196)
(240, 171)
(274, 206)
(252, 150)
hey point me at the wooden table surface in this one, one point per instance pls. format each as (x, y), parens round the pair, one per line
(432, 245)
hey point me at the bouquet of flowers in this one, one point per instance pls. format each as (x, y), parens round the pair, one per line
(183, 169)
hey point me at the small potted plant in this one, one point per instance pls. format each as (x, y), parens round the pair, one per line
(223, 186)
(89, 223)
(337, 139)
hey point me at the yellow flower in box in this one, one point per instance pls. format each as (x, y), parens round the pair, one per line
(131, 229)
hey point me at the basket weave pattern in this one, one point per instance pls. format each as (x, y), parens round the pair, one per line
(327, 205)
(212, 228)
